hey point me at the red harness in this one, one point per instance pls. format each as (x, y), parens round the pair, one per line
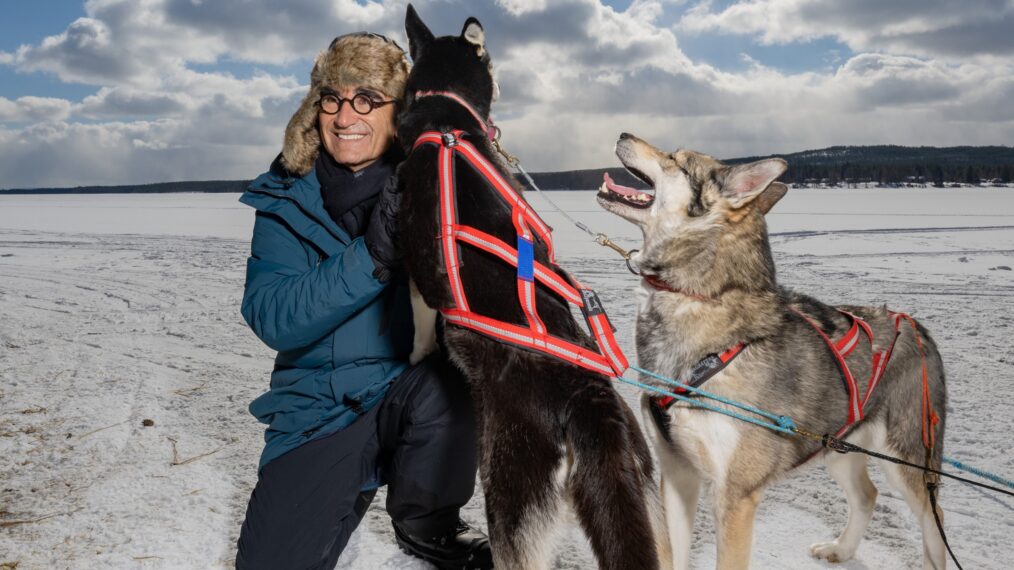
(609, 361)
(712, 364)
(844, 346)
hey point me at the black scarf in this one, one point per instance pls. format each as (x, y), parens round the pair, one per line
(349, 196)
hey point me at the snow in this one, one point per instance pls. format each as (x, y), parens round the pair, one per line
(115, 309)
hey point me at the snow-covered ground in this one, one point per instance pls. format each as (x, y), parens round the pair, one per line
(118, 309)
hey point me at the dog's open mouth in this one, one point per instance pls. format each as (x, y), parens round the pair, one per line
(625, 194)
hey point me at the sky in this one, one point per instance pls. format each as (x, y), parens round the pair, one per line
(140, 91)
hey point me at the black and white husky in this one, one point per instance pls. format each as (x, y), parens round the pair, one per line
(710, 285)
(549, 431)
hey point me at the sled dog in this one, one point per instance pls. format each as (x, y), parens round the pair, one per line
(709, 285)
(549, 432)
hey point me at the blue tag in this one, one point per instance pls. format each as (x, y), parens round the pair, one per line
(526, 260)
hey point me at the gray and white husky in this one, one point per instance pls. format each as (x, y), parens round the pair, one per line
(706, 250)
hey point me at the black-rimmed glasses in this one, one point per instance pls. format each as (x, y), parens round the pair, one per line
(331, 103)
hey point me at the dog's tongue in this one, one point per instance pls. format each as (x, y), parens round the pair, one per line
(607, 181)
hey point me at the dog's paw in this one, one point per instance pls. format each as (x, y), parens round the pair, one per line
(418, 354)
(832, 551)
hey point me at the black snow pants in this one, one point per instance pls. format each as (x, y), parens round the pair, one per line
(308, 501)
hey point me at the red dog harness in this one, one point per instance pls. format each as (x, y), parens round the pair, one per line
(712, 364)
(609, 360)
(844, 346)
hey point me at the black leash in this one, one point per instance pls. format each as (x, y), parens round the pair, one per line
(932, 485)
(841, 446)
(931, 488)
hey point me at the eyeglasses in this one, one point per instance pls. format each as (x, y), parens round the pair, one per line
(331, 103)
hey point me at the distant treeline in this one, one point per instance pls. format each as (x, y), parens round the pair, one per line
(209, 186)
(887, 164)
(884, 164)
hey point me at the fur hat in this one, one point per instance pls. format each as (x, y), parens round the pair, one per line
(361, 59)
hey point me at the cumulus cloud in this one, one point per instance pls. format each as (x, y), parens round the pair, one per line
(573, 75)
(30, 108)
(75, 154)
(118, 102)
(939, 28)
(87, 52)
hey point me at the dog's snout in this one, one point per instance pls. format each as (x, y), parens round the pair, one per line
(625, 136)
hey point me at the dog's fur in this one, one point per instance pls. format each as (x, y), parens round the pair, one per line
(705, 235)
(548, 431)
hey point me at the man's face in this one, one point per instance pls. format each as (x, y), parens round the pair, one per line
(356, 141)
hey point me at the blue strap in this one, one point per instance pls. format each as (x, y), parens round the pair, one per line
(526, 259)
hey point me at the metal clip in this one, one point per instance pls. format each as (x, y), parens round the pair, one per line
(929, 478)
(603, 239)
(510, 158)
(450, 141)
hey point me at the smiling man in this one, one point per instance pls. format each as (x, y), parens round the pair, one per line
(356, 139)
(345, 411)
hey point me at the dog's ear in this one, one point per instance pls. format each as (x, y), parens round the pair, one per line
(473, 33)
(419, 36)
(744, 182)
(770, 196)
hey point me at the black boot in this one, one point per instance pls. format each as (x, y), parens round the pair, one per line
(463, 548)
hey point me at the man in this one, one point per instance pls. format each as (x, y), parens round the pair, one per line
(345, 412)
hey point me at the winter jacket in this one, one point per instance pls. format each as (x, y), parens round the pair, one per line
(342, 336)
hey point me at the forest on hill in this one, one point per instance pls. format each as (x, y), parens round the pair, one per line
(890, 164)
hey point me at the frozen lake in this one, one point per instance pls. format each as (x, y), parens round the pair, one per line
(221, 215)
(119, 308)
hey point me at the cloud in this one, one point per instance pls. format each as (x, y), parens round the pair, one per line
(520, 7)
(119, 102)
(74, 154)
(939, 28)
(38, 109)
(85, 53)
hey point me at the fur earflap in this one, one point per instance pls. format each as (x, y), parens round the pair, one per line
(361, 60)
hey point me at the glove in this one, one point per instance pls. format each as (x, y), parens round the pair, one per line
(382, 232)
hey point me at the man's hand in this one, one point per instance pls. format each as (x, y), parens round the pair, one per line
(382, 232)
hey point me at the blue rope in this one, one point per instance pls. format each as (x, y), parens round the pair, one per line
(976, 471)
(783, 424)
(699, 404)
(782, 421)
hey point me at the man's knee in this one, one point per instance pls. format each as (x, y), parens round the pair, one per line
(437, 393)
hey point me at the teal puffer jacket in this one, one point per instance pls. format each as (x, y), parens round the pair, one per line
(342, 336)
